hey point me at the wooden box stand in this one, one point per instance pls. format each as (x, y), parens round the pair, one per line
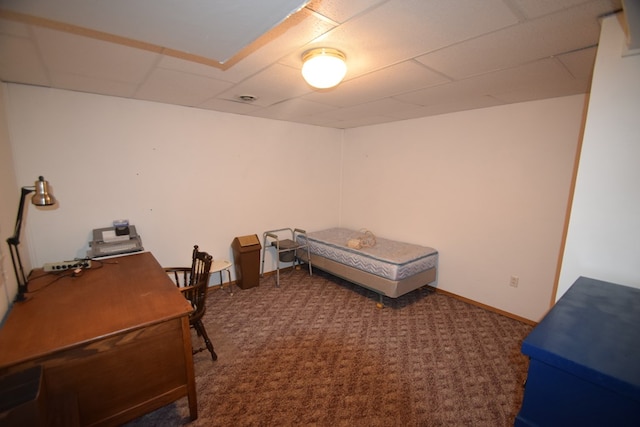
(584, 359)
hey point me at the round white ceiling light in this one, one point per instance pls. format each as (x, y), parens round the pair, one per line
(323, 67)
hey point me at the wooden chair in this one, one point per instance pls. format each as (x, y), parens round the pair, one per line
(193, 283)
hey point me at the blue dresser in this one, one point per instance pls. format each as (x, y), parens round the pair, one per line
(584, 367)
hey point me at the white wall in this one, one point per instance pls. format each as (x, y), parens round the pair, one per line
(181, 175)
(603, 239)
(10, 196)
(488, 188)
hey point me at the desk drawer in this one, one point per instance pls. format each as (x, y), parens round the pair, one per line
(122, 376)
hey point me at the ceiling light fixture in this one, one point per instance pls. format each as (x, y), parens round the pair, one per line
(323, 67)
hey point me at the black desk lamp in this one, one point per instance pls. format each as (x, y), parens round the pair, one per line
(41, 198)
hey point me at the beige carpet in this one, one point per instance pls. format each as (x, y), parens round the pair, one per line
(317, 352)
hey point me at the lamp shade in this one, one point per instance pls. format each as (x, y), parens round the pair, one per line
(42, 197)
(323, 67)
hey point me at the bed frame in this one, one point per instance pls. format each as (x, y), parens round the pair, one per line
(380, 285)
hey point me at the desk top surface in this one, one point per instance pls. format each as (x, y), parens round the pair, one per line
(116, 295)
(593, 331)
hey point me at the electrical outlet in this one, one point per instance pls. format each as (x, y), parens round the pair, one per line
(514, 281)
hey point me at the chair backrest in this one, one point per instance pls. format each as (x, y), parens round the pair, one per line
(198, 281)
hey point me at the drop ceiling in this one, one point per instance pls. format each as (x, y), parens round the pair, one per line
(406, 58)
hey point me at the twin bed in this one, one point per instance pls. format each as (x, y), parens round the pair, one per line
(389, 268)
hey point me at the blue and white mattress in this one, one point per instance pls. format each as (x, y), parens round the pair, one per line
(387, 258)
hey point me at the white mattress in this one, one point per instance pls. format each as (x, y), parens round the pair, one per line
(388, 258)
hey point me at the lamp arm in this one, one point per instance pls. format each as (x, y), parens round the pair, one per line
(13, 242)
(15, 239)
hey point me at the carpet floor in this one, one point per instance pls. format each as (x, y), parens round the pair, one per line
(317, 352)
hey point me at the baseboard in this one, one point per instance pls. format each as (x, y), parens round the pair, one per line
(233, 283)
(447, 293)
(486, 307)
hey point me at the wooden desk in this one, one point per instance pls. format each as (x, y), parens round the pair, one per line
(117, 337)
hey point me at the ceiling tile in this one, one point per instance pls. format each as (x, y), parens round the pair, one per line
(13, 28)
(361, 121)
(20, 62)
(491, 84)
(547, 79)
(460, 104)
(317, 121)
(270, 86)
(580, 63)
(536, 8)
(191, 67)
(84, 56)
(531, 75)
(340, 10)
(179, 88)
(404, 77)
(92, 85)
(543, 90)
(532, 40)
(235, 107)
(292, 108)
(419, 27)
(375, 108)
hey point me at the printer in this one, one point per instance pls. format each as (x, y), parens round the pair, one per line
(116, 240)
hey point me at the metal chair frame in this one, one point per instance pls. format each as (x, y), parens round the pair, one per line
(271, 239)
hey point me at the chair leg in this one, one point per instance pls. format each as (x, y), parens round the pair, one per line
(199, 327)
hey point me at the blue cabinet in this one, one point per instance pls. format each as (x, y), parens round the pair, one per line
(584, 357)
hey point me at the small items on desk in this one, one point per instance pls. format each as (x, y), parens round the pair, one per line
(121, 227)
(108, 241)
